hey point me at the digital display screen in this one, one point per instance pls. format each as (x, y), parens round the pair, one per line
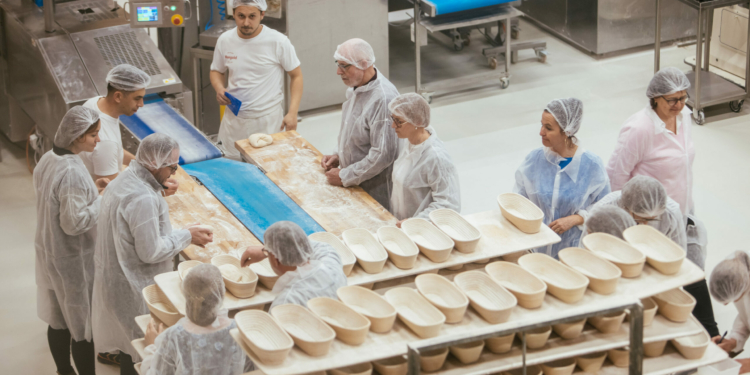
(148, 14)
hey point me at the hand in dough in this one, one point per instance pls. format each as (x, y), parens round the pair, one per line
(260, 140)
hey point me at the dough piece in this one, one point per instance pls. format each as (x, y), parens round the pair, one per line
(230, 273)
(260, 140)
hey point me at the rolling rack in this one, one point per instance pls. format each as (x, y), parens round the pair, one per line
(707, 88)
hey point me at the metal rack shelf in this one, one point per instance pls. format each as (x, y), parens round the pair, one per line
(707, 88)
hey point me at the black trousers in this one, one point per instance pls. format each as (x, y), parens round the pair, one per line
(703, 310)
(61, 345)
(126, 365)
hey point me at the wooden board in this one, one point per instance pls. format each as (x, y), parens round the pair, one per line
(499, 237)
(380, 346)
(670, 362)
(293, 164)
(142, 322)
(590, 341)
(193, 203)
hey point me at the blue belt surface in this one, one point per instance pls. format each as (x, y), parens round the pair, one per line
(451, 6)
(157, 116)
(251, 196)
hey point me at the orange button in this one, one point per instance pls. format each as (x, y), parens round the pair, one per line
(177, 19)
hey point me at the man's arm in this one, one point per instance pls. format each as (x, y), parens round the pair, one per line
(296, 84)
(217, 81)
(127, 157)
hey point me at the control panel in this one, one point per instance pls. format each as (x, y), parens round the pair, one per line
(160, 13)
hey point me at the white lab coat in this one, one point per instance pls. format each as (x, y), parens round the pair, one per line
(67, 212)
(424, 179)
(322, 276)
(135, 243)
(741, 327)
(367, 146)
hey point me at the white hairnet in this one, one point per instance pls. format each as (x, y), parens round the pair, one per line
(203, 288)
(569, 114)
(730, 278)
(260, 4)
(356, 52)
(413, 108)
(126, 77)
(667, 81)
(157, 151)
(609, 219)
(644, 196)
(288, 243)
(74, 124)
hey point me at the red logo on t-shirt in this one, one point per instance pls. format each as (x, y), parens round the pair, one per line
(230, 56)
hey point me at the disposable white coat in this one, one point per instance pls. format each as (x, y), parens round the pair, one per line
(741, 327)
(67, 212)
(367, 146)
(424, 179)
(322, 276)
(562, 192)
(135, 243)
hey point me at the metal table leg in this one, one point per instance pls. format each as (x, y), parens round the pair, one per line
(417, 57)
(197, 93)
(698, 63)
(657, 40)
(709, 29)
(636, 340)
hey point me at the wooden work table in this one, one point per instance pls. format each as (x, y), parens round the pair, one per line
(293, 164)
(193, 203)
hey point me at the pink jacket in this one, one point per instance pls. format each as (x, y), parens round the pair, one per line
(646, 147)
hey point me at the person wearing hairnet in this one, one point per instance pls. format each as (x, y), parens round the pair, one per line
(729, 283)
(200, 342)
(657, 140)
(646, 200)
(367, 147)
(424, 177)
(135, 242)
(562, 178)
(126, 87)
(256, 57)
(306, 269)
(608, 219)
(67, 206)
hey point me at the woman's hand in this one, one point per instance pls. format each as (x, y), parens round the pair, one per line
(152, 331)
(400, 222)
(563, 224)
(728, 345)
(101, 184)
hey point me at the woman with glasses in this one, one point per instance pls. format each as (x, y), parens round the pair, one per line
(562, 178)
(657, 141)
(424, 177)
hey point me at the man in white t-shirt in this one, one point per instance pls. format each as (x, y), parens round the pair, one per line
(257, 58)
(126, 86)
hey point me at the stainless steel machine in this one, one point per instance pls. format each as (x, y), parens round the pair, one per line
(50, 67)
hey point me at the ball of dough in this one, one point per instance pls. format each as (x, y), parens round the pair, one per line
(230, 272)
(260, 140)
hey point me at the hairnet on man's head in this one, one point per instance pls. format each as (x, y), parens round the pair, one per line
(730, 278)
(260, 4)
(609, 219)
(158, 151)
(667, 81)
(203, 287)
(356, 52)
(644, 196)
(126, 77)
(74, 124)
(288, 243)
(568, 113)
(412, 107)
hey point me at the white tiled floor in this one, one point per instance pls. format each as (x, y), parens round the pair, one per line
(487, 131)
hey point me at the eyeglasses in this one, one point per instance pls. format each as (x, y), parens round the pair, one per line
(643, 220)
(343, 67)
(173, 168)
(398, 122)
(673, 102)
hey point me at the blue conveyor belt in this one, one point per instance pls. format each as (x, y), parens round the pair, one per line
(156, 116)
(251, 196)
(452, 6)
